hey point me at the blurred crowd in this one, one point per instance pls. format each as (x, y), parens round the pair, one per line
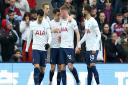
(111, 15)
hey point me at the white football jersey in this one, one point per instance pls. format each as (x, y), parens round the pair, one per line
(41, 35)
(92, 35)
(67, 33)
(55, 43)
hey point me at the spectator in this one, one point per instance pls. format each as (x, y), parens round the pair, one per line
(124, 40)
(69, 4)
(108, 11)
(8, 38)
(117, 26)
(33, 15)
(57, 3)
(13, 7)
(23, 6)
(24, 27)
(32, 4)
(100, 5)
(117, 6)
(101, 20)
(14, 22)
(16, 57)
(115, 52)
(125, 13)
(106, 34)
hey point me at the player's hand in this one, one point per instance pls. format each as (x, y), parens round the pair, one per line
(77, 50)
(56, 30)
(47, 46)
(93, 52)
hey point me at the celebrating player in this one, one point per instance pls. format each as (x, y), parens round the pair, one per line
(92, 37)
(40, 31)
(55, 45)
(68, 27)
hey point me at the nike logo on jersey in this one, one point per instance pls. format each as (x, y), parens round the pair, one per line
(40, 32)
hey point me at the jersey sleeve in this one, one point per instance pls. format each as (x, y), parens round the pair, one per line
(29, 37)
(48, 31)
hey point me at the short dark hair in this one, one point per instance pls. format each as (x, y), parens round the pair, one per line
(87, 7)
(55, 11)
(26, 14)
(40, 12)
(119, 14)
(10, 11)
(33, 11)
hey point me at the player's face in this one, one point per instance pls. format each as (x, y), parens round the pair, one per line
(40, 18)
(34, 16)
(57, 16)
(46, 9)
(64, 13)
(85, 12)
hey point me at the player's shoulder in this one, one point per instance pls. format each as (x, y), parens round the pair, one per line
(73, 21)
(45, 23)
(93, 20)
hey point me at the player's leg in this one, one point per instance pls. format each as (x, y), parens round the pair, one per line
(63, 66)
(69, 61)
(58, 74)
(63, 74)
(93, 58)
(36, 61)
(90, 74)
(53, 61)
(51, 73)
(41, 76)
(74, 72)
(43, 57)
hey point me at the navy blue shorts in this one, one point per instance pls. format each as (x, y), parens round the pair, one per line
(90, 58)
(66, 55)
(54, 55)
(39, 57)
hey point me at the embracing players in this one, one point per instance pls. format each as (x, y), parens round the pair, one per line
(41, 35)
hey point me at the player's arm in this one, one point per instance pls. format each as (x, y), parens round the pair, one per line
(49, 36)
(29, 37)
(82, 40)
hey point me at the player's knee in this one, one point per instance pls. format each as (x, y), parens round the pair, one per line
(70, 66)
(42, 69)
(63, 67)
(36, 65)
(92, 64)
(53, 68)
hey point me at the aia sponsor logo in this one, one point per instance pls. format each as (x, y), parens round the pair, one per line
(64, 29)
(40, 32)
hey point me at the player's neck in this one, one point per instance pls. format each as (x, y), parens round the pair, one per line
(57, 20)
(66, 17)
(88, 16)
(45, 16)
